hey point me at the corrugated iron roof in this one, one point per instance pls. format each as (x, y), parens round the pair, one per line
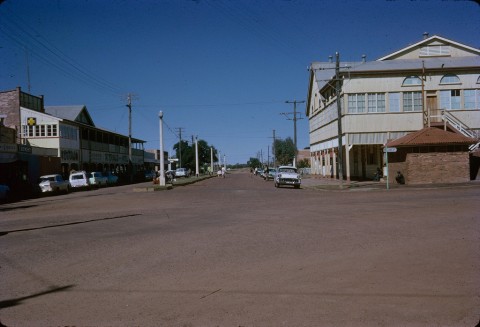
(431, 136)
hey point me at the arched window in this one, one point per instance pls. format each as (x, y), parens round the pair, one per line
(450, 79)
(412, 80)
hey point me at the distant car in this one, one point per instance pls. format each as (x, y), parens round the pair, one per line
(181, 172)
(287, 175)
(270, 175)
(259, 172)
(53, 183)
(96, 178)
(78, 179)
(4, 192)
(112, 179)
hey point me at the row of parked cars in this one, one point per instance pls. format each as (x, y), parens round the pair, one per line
(77, 179)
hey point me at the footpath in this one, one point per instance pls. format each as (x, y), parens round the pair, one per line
(331, 184)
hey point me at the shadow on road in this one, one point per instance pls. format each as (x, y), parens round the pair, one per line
(19, 300)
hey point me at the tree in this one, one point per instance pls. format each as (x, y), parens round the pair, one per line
(284, 151)
(254, 163)
(188, 154)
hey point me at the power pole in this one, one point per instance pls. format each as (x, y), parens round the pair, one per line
(294, 120)
(274, 159)
(338, 89)
(130, 97)
(179, 129)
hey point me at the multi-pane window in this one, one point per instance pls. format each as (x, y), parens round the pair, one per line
(412, 101)
(39, 130)
(450, 79)
(412, 80)
(450, 99)
(356, 103)
(376, 102)
(394, 102)
(472, 99)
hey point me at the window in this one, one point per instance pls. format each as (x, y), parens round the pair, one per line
(435, 50)
(376, 102)
(450, 79)
(412, 80)
(356, 103)
(472, 99)
(450, 99)
(412, 101)
(394, 102)
(42, 130)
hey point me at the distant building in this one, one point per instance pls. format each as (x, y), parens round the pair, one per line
(434, 82)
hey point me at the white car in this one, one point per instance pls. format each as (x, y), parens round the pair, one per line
(287, 175)
(181, 172)
(53, 183)
(78, 179)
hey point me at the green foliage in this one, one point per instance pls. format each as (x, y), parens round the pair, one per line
(284, 151)
(304, 163)
(254, 163)
(188, 154)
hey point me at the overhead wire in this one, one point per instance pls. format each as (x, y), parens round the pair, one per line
(49, 53)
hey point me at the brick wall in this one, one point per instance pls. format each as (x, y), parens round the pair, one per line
(10, 106)
(437, 167)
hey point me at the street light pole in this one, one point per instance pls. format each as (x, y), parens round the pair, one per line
(196, 156)
(162, 164)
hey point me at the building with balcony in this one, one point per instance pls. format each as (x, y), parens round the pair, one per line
(432, 83)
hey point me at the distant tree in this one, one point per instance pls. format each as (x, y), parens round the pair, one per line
(188, 154)
(284, 151)
(254, 163)
(304, 163)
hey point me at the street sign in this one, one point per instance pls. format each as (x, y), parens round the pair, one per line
(389, 149)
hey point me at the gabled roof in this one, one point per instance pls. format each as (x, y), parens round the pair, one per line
(431, 136)
(77, 114)
(427, 41)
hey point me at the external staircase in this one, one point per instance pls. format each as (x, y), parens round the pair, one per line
(453, 121)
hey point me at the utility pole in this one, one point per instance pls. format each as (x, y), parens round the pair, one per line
(338, 89)
(294, 121)
(179, 129)
(274, 159)
(130, 97)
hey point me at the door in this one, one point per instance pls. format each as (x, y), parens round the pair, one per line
(432, 109)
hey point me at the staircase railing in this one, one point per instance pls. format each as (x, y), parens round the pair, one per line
(456, 123)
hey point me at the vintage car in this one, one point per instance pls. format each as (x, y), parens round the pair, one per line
(53, 183)
(287, 175)
(96, 178)
(79, 179)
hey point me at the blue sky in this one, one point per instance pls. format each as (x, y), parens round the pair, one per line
(221, 70)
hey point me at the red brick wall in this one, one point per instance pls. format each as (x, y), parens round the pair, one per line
(10, 106)
(437, 167)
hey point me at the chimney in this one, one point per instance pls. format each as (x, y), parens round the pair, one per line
(425, 35)
(364, 58)
(330, 58)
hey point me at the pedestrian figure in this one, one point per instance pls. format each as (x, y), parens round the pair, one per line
(399, 178)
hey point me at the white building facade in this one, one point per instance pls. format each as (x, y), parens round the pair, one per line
(433, 82)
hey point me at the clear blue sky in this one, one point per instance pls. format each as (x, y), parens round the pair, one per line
(221, 70)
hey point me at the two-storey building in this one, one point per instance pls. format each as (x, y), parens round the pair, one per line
(435, 81)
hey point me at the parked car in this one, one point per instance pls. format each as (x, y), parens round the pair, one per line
(181, 172)
(287, 175)
(270, 175)
(53, 183)
(78, 179)
(4, 192)
(96, 178)
(112, 179)
(149, 175)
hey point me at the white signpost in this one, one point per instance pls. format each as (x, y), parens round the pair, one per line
(388, 150)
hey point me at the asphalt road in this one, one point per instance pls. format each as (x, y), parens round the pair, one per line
(239, 252)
